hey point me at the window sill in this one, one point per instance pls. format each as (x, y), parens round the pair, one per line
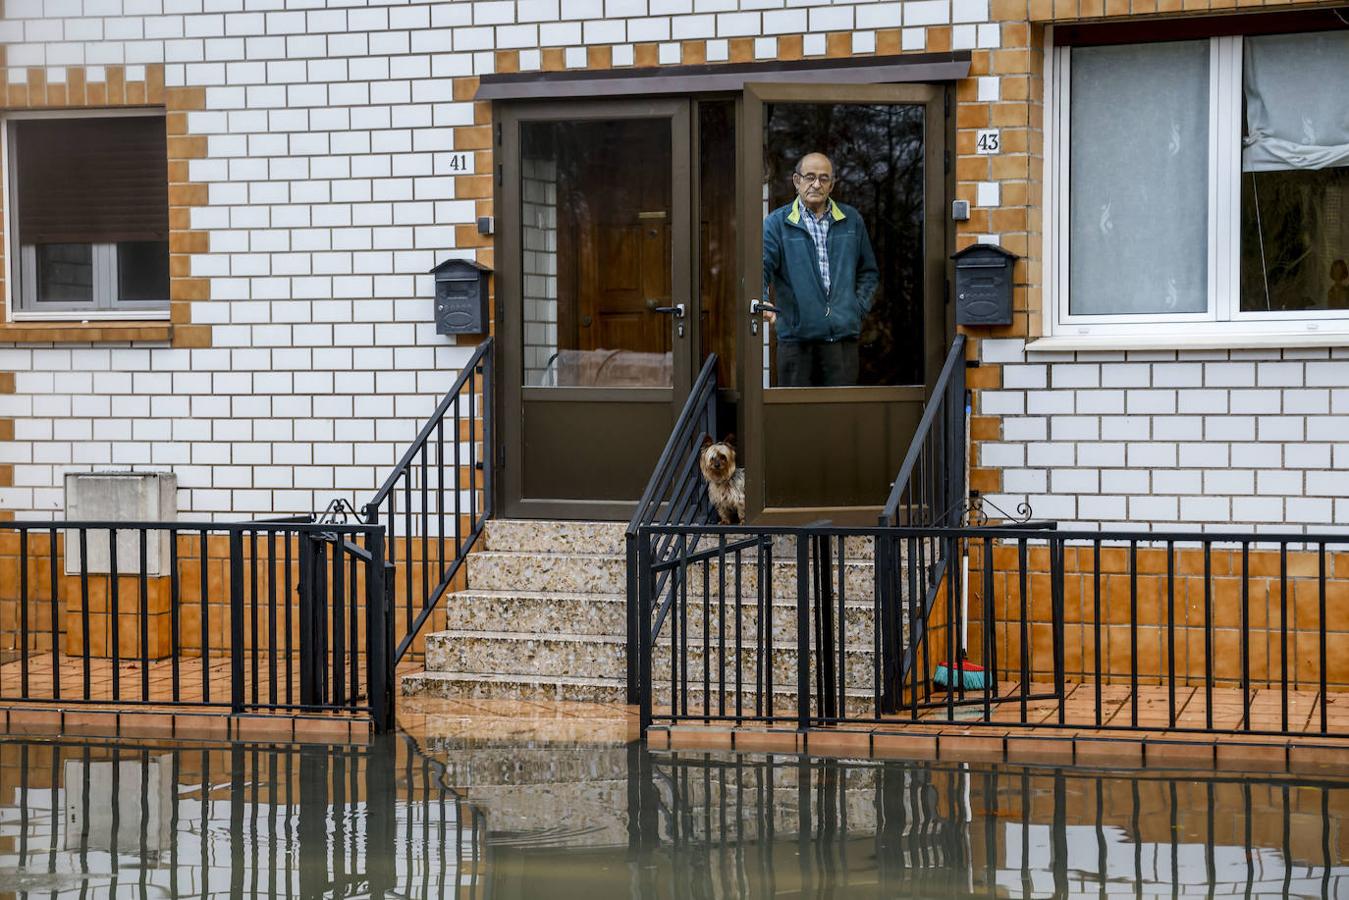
(106, 332)
(1189, 341)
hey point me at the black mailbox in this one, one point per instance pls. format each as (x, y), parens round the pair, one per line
(984, 285)
(461, 297)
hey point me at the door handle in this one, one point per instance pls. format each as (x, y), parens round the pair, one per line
(758, 307)
(677, 310)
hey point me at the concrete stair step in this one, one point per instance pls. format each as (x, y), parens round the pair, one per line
(857, 667)
(536, 611)
(473, 686)
(481, 686)
(533, 612)
(544, 536)
(556, 536)
(518, 653)
(593, 573)
(604, 656)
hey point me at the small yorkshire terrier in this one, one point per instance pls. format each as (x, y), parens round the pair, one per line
(725, 480)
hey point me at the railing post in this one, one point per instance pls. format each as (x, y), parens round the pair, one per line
(630, 552)
(1056, 598)
(802, 631)
(309, 693)
(889, 559)
(489, 456)
(379, 637)
(236, 621)
(646, 585)
(825, 637)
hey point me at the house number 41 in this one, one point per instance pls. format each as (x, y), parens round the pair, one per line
(988, 142)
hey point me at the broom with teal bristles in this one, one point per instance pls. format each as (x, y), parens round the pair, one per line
(971, 675)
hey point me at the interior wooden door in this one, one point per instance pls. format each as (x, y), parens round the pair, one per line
(624, 250)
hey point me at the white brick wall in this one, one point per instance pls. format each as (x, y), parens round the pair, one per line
(1186, 438)
(331, 194)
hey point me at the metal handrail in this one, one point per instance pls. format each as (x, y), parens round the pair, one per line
(418, 442)
(674, 486)
(952, 371)
(441, 567)
(704, 390)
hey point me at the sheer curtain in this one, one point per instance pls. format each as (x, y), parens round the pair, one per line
(1138, 204)
(1297, 101)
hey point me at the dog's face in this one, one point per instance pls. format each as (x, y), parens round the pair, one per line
(717, 461)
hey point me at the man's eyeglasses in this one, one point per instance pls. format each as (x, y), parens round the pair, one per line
(821, 180)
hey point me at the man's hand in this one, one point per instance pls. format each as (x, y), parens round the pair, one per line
(769, 316)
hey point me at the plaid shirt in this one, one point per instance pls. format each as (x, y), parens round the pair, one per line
(819, 232)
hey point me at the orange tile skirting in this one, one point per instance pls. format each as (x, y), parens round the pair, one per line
(55, 721)
(1155, 610)
(1025, 746)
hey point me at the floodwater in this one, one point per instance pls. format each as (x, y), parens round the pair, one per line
(500, 819)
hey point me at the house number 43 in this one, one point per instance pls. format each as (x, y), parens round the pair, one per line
(988, 142)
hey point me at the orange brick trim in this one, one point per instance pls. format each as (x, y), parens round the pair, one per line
(116, 92)
(82, 333)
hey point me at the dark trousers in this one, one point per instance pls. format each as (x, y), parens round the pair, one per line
(817, 363)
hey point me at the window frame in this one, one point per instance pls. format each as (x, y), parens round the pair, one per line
(1223, 323)
(19, 289)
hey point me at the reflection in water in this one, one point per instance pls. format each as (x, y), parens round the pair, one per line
(487, 819)
(111, 819)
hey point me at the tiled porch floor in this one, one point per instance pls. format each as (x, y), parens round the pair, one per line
(199, 682)
(1154, 708)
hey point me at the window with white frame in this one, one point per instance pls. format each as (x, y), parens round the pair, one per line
(89, 215)
(1201, 186)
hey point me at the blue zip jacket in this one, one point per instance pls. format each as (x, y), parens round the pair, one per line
(808, 313)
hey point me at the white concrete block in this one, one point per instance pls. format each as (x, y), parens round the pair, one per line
(927, 12)
(119, 497)
(1002, 350)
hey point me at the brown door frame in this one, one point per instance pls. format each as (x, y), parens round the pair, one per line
(937, 248)
(513, 397)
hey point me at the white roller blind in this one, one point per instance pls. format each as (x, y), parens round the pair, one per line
(1297, 101)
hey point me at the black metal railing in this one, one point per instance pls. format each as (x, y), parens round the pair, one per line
(437, 500)
(247, 617)
(929, 491)
(674, 494)
(1183, 632)
(930, 487)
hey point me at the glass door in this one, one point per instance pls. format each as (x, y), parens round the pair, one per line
(596, 306)
(842, 320)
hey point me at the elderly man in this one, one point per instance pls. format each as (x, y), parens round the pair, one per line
(818, 258)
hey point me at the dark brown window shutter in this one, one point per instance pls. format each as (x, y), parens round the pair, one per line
(92, 180)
